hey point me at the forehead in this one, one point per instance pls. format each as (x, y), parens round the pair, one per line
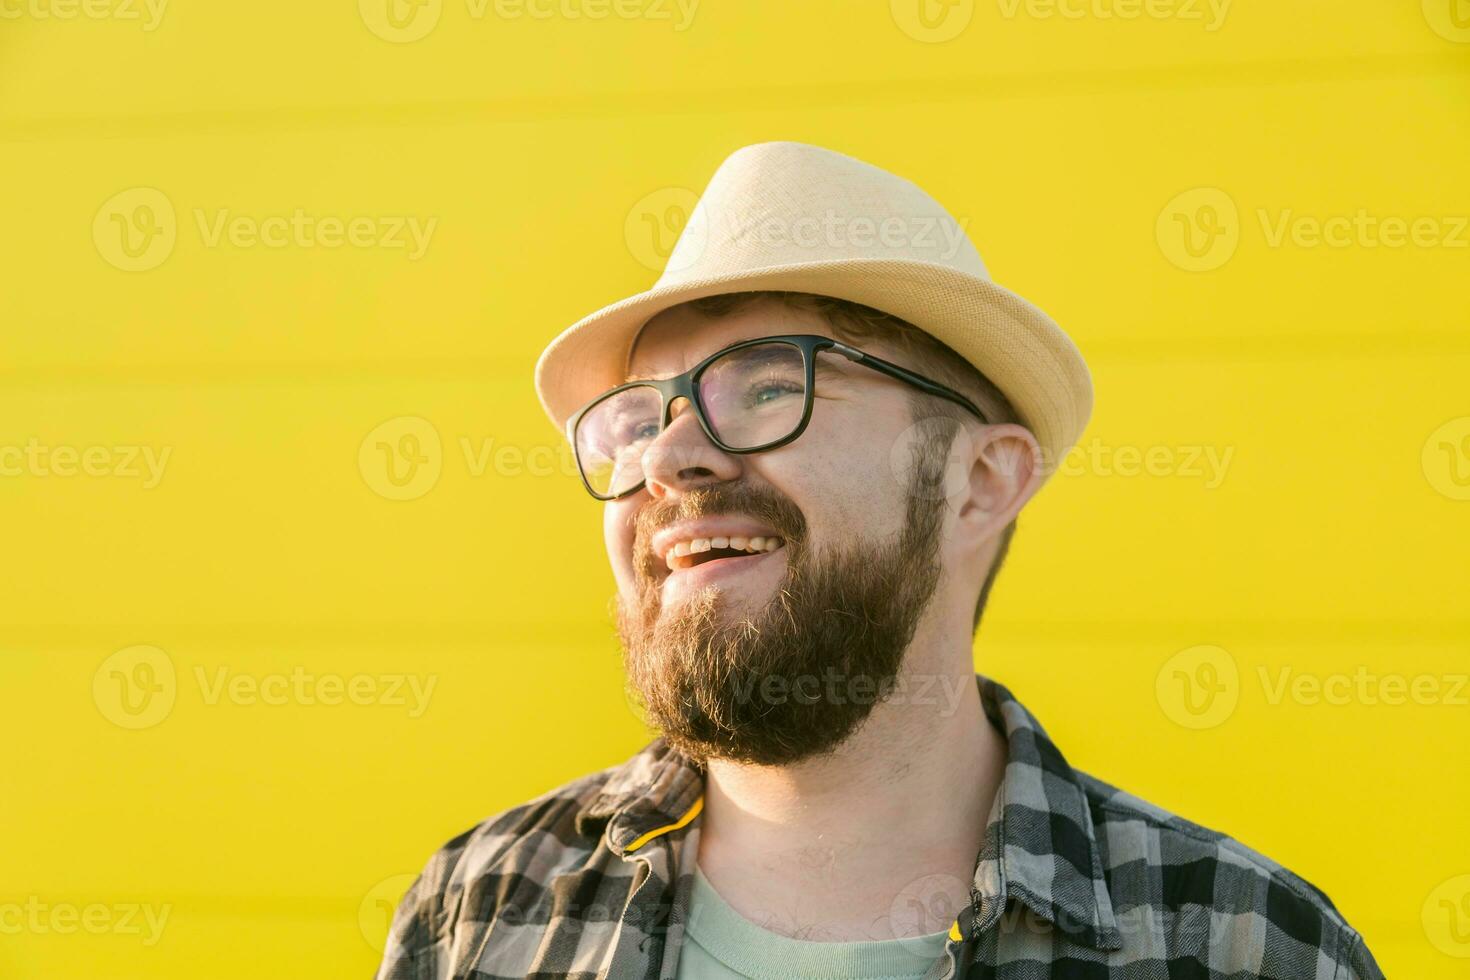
(677, 339)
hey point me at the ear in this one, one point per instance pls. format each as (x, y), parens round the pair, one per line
(1003, 464)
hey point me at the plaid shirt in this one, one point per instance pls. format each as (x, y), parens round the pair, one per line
(1075, 879)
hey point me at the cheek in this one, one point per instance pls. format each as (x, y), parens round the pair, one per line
(617, 535)
(843, 490)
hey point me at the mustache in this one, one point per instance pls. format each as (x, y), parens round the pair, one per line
(771, 508)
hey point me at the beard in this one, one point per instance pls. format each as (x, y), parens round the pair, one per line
(793, 679)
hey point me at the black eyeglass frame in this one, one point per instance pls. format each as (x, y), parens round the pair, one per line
(686, 386)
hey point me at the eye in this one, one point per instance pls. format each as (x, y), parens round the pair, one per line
(768, 390)
(628, 433)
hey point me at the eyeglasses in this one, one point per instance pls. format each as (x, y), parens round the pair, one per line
(749, 397)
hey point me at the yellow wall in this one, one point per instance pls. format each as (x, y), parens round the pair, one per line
(1329, 381)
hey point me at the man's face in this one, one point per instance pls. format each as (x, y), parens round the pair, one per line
(832, 592)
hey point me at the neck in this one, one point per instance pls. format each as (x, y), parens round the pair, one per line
(846, 846)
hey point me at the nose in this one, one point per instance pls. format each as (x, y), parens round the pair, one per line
(682, 457)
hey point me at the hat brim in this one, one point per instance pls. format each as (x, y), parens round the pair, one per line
(1009, 340)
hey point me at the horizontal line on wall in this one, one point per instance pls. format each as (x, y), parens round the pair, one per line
(334, 909)
(93, 639)
(1173, 79)
(1223, 349)
(1280, 347)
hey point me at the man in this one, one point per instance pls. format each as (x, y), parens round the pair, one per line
(812, 439)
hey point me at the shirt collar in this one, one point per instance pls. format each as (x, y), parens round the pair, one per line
(657, 788)
(1040, 846)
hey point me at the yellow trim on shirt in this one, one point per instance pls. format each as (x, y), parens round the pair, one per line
(642, 839)
(954, 932)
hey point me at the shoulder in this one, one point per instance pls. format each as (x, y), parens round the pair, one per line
(1236, 902)
(548, 821)
(462, 880)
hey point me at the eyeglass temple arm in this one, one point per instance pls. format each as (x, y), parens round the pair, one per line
(904, 374)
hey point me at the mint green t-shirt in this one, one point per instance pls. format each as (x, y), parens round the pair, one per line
(721, 944)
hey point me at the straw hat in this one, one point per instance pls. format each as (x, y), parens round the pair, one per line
(789, 216)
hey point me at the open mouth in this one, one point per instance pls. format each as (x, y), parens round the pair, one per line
(702, 551)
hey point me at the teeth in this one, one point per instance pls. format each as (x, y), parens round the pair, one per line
(683, 549)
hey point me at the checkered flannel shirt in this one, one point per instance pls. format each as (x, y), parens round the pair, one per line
(1075, 879)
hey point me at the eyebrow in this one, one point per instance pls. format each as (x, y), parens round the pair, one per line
(835, 369)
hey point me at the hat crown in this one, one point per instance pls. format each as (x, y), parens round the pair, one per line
(785, 203)
(792, 217)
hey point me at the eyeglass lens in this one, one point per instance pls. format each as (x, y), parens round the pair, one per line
(750, 397)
